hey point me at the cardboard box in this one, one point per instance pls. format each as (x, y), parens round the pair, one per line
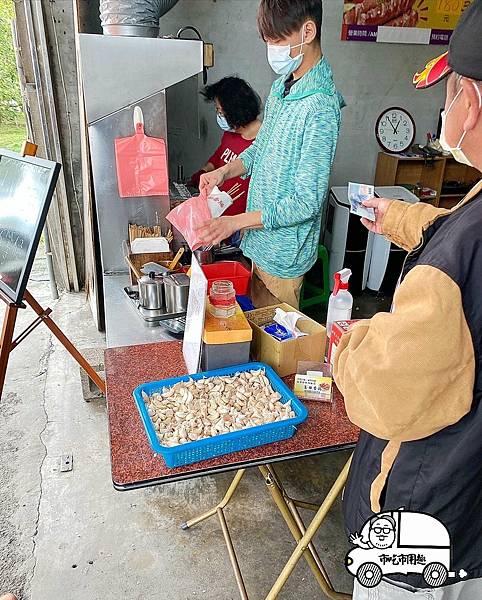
(284, 356)
(337, 330)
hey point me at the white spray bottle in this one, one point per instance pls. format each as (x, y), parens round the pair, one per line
(341, 301)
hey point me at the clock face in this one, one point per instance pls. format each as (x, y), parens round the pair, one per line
(395, 130)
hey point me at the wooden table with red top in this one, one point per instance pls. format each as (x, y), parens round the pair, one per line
(135, 465)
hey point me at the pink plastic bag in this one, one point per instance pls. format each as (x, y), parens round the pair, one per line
(141, 163)
(187, 216)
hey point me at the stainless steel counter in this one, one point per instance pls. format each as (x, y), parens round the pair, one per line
(123, 326)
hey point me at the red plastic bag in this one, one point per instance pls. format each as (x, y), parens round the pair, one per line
(187, 216)
(141, 163)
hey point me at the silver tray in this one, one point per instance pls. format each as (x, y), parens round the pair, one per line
(173, 322)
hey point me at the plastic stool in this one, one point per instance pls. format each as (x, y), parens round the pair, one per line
(317, 295)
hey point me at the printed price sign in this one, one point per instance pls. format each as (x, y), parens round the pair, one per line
(450, 7)
(313, 387)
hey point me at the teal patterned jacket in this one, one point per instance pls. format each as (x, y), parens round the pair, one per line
(289, 164)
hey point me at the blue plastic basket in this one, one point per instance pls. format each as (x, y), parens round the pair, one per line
(192, 452)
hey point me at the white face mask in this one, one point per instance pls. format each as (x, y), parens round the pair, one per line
(280, 59)
(456, 152)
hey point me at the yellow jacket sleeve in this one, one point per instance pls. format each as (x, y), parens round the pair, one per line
(407, 374)
(404, 223)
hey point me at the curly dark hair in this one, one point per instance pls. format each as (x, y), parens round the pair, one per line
(240, 103)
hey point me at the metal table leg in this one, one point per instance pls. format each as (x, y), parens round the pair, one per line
(303, 544)
(232, 555)
(288, 508)
(308, 551)
(292, 505)
(218, 511)
(224, 502)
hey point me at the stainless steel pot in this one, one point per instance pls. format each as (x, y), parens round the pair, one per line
(176, 288)
(204, 257)
(151, 292)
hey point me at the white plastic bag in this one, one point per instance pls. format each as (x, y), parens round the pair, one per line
(218, 202)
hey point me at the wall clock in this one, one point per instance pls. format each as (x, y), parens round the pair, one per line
(395, 130)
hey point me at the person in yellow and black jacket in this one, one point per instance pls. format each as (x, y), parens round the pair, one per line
(412, 378)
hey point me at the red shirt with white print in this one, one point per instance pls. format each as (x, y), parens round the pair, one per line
(232, 144)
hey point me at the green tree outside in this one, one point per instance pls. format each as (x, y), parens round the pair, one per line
(12, 123)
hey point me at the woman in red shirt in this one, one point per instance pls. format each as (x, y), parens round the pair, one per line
(237, 107)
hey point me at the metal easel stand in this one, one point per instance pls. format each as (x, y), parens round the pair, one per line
(288, 508)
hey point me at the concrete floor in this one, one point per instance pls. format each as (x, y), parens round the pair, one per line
(71, 536)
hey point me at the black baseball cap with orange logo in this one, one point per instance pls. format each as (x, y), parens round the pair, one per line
(465, 51)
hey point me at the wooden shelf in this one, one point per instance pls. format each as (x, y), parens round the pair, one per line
(394, 169)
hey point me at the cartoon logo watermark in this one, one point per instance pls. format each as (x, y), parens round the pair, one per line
(401, 542)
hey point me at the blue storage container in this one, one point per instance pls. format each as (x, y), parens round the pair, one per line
(192, 452)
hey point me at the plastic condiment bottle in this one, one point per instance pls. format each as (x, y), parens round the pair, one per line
(341, 301)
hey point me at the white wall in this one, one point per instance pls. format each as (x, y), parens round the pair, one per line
(231, 26)
(371, 77)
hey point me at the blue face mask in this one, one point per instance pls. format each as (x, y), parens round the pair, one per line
(280, 59)
(222, 122)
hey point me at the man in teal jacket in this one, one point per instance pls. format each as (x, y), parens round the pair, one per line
(290, 160)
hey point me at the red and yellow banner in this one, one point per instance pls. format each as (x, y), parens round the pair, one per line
(401, 21)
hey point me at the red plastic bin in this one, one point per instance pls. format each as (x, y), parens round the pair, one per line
(230, 270)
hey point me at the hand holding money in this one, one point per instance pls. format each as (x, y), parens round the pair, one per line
(380, 207)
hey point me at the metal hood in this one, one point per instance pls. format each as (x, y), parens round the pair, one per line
(119, 71)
